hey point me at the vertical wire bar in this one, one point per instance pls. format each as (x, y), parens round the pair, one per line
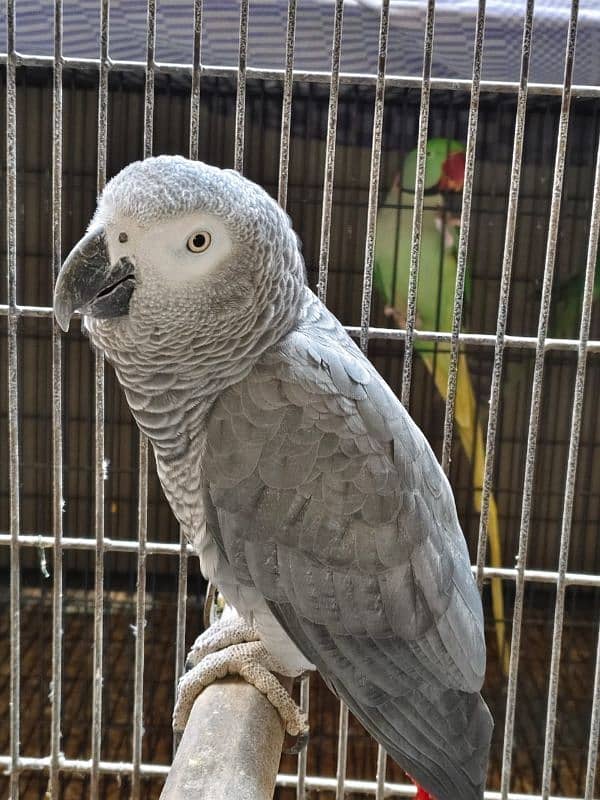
(182, 578)
(196, 70)
(340, 774)
(98, 578)
(330, 151)
(182, 574)
(536, 396)
(380, 774)
(302, 756)
(286, 108)
(594, 740)
(140, 615)
(565, 536)
(150, 73)
(240, 105)
(98, 653)
(463, 239)
(57, 453)
(13, 398)
(286, 113)
(284, 156)
(140, 619)
(365, 314)
(505, 281)
(415, 247)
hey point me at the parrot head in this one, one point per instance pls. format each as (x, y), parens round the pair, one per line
(444, 167)
(177, 243)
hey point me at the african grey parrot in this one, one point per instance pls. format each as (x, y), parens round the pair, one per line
(313, 500)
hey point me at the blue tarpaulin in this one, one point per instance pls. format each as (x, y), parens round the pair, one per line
(453, 45)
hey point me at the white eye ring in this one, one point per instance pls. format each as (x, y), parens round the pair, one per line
(199, 242)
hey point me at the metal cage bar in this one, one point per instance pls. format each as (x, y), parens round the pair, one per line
(417, 222)
(149, 78)
(592, 762)
(140, 603)
(505, 281)
(182, 581)
(57, 389)
(380, 774)
(100, 469)
(13, 400)
(240, 105)
(309, 76)
(536, 397)
(171, 548)
(282, 191)
(342, 750)
(284, 780)
(511, 341)
(140, 619)
(565, 537)
(463, 237)
(365, 314)
(367, 290)
(196, 75)
(286, 108)
(182, 572)
(329, 170)
(300, 776)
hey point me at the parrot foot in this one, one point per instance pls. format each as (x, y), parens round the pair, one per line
(234, 648)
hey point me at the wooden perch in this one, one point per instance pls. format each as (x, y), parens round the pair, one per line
(231, 746)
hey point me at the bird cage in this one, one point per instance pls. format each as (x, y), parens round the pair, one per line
(318, 101)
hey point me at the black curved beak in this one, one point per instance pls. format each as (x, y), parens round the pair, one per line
(88, 282)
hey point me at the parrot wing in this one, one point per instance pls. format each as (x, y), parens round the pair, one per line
(324, 495)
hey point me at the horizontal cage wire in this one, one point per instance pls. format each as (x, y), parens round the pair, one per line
(320, 102)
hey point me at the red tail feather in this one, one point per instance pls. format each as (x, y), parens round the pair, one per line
(421, 793)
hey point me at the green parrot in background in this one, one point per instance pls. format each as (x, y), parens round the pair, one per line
(567, 303)
(444, 177)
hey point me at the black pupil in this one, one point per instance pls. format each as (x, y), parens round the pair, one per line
(199, 240)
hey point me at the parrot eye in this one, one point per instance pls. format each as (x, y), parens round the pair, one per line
(199, 242)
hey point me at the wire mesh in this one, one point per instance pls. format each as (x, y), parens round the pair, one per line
(321, 125)
(536, 396)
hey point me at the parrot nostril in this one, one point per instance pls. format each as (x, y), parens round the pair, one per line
(123, 237)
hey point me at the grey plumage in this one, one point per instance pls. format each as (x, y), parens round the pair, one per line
(312, 497)
(333, 506)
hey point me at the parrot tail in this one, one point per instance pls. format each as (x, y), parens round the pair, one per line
(421, 793)
(455, 770)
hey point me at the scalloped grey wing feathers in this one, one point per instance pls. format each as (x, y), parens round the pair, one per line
(324, 495)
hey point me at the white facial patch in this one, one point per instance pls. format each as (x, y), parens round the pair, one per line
(163, 247)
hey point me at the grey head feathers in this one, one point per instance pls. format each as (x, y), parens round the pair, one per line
(211, 314)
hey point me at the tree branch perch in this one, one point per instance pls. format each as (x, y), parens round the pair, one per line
(231, 746)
